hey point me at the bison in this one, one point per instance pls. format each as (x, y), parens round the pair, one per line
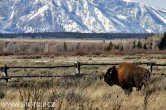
(127, 76)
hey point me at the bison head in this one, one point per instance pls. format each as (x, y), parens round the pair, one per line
(111, 76)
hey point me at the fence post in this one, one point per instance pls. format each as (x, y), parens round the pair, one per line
(5, 68)
(151, 67)
(77, 65)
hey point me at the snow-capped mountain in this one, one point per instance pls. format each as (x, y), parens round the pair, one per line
(86, 16)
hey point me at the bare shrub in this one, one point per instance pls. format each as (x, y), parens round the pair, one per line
(32, 93)
(117, 105)
(90, 105)
(148, 91)
(2, 94)
(73, 97)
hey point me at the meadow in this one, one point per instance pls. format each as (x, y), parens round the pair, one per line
(88, 92)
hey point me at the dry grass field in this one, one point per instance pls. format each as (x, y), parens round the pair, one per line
(88, 92)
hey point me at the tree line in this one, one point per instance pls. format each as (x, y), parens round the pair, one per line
(75, 35)
(155, 44)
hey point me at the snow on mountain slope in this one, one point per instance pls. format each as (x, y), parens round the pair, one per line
(80, 16)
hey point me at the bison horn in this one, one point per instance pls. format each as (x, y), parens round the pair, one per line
(109, 71)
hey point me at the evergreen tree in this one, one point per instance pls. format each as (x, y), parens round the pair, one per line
(121, 48)
(134, 44)
(65, 46)
(109, 47)
(139, 44)
(116, 47)
(162, 44)
(151, 44)
(78, 46)
(145, 46)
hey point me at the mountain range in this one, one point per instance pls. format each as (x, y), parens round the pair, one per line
(85, 16)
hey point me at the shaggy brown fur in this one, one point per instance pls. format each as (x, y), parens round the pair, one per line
(127, 75)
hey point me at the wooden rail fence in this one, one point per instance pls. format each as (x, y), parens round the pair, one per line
(77, 65)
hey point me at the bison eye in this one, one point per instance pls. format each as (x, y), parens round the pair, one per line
(107, 76)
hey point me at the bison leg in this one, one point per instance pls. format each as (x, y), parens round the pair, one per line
(138, 88)
(127, 89)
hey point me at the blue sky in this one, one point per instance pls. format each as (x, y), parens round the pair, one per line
(157, 3)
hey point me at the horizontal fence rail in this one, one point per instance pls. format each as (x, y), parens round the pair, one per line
(77, 65)
(40, 76)
(116, 63)
(159, 64)
(39, 67)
